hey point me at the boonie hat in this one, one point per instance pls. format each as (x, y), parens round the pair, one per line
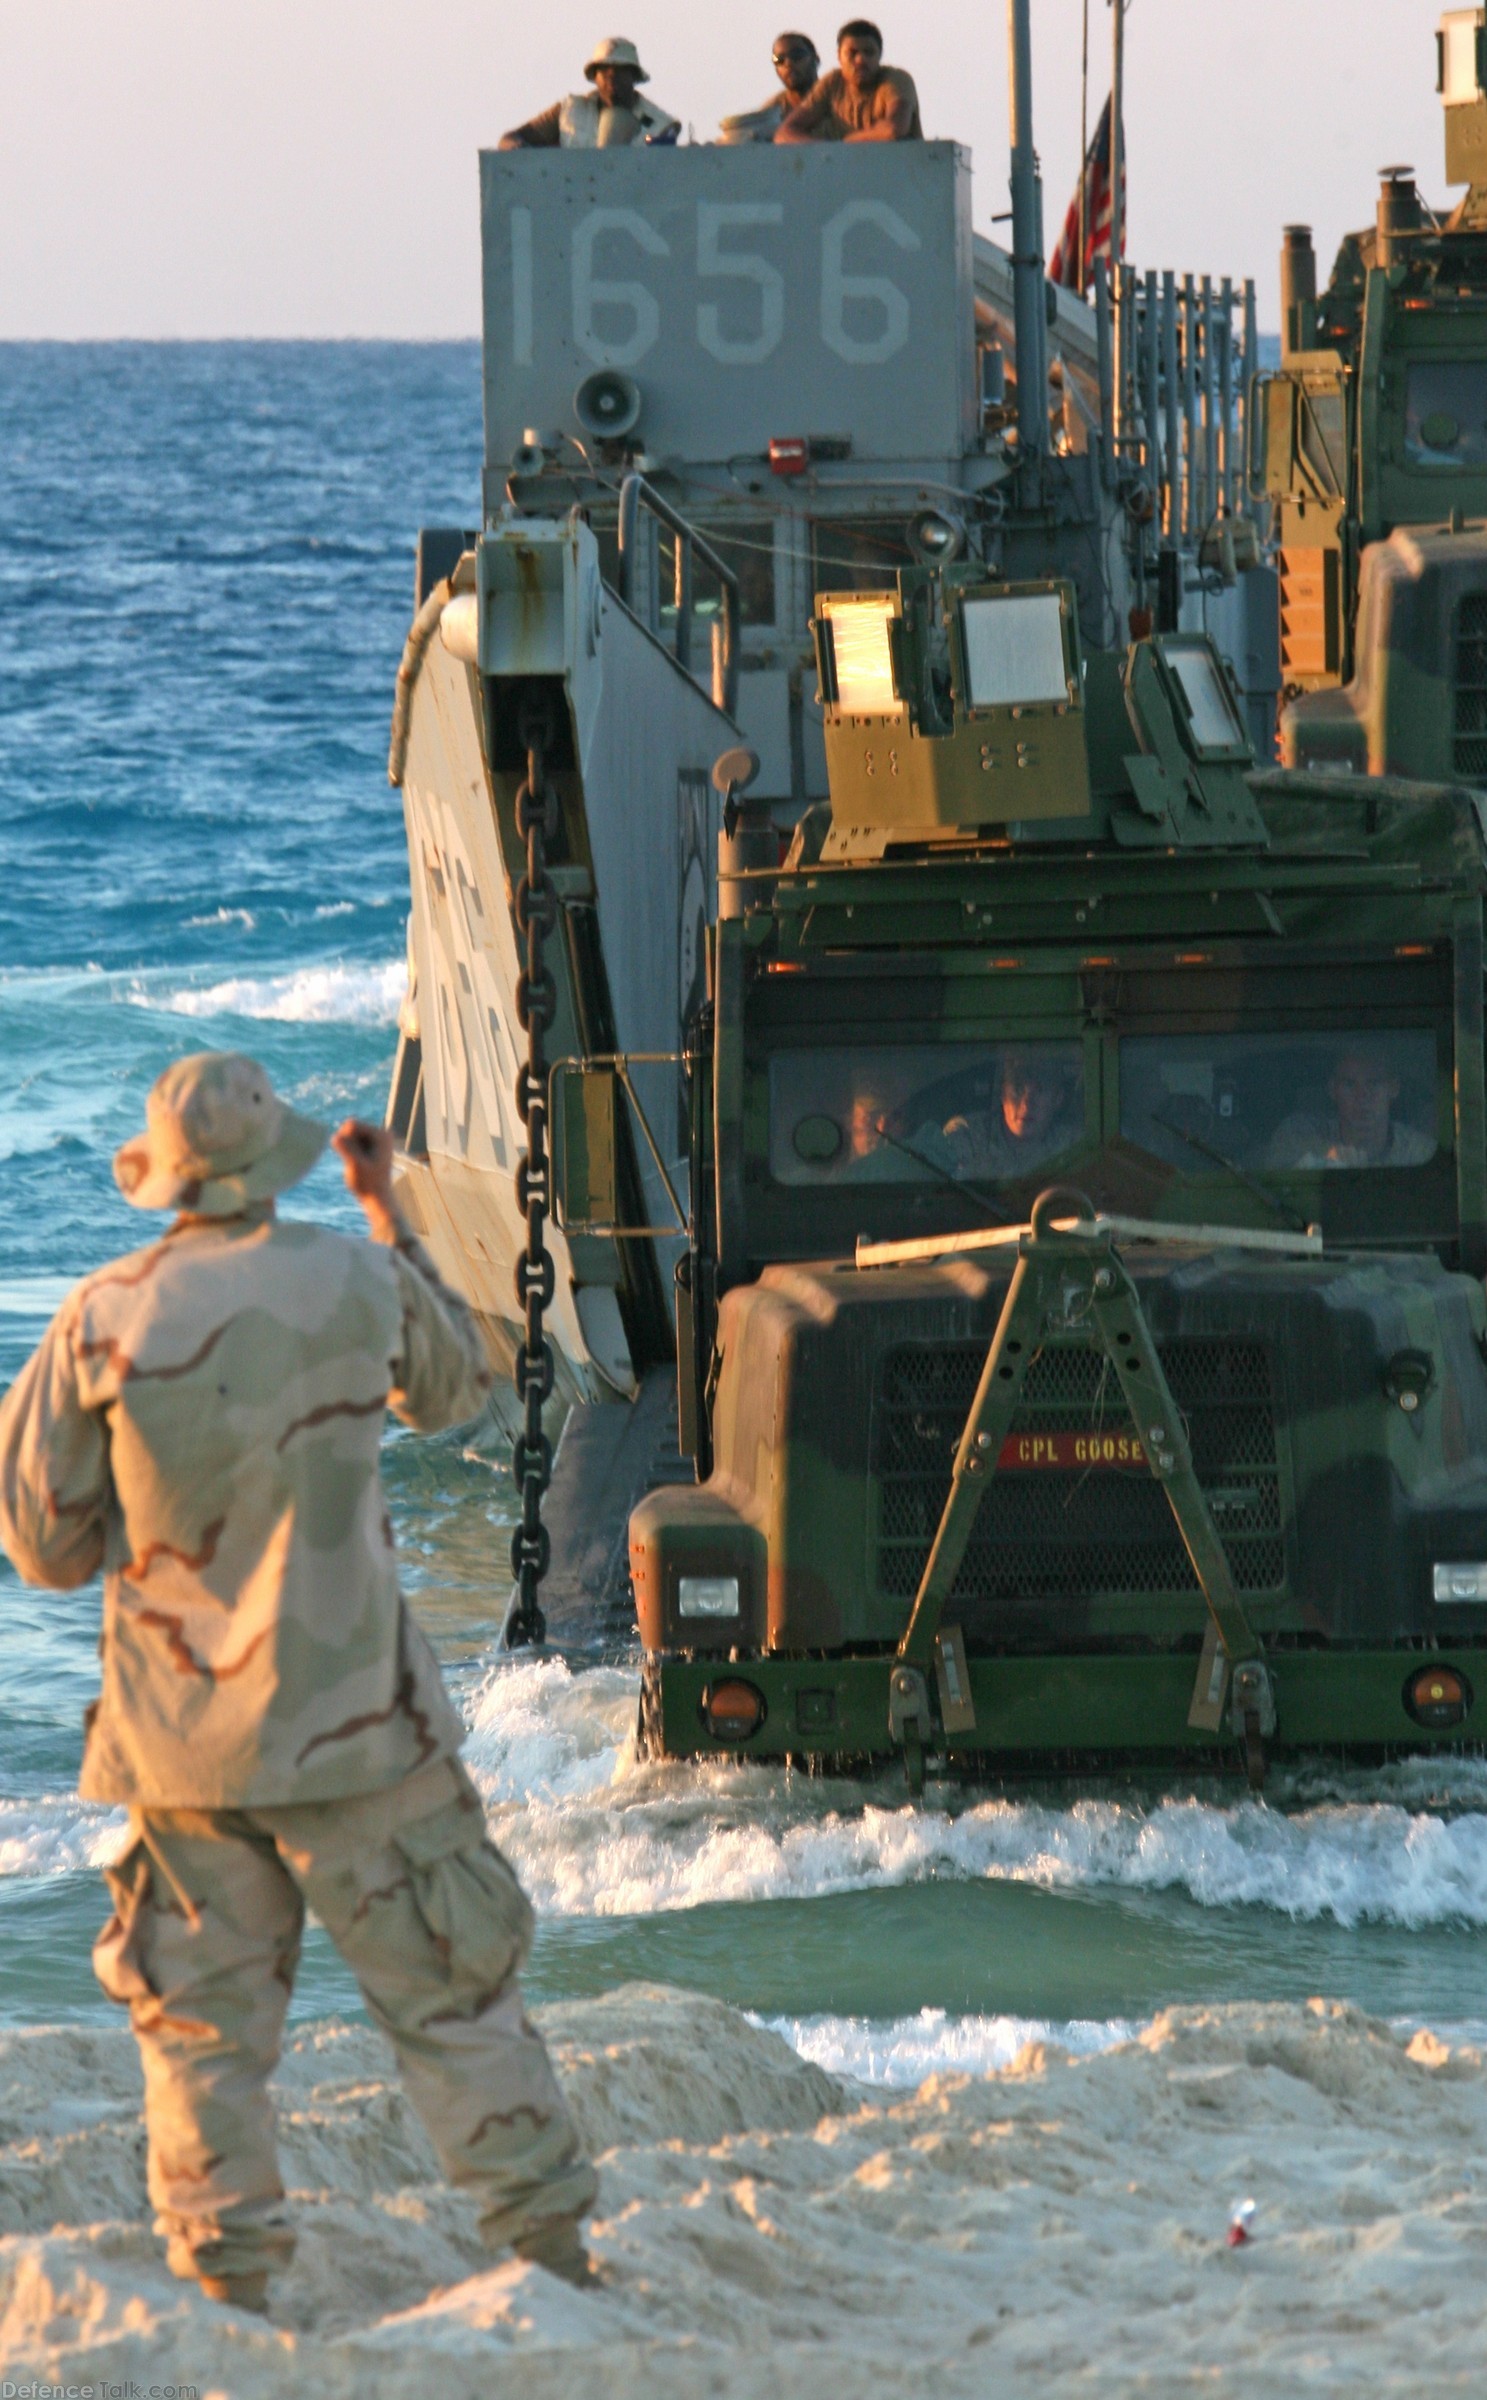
(217, 1137)
(616, 52)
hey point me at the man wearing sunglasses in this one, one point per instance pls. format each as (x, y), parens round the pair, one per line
(861, 100)
(797, 65)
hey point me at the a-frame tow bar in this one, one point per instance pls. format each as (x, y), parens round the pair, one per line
(1070, 1280)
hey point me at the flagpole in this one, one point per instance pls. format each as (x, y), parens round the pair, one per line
(1027, 240)
(1084, 158)
(1117, 137)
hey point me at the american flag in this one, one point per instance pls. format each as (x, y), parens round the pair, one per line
(1065, 265)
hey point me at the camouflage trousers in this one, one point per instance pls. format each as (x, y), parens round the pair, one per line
(209, 1905)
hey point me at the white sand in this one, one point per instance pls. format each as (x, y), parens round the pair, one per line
(1055, 2228)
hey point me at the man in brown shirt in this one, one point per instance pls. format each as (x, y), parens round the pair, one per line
(861, 100)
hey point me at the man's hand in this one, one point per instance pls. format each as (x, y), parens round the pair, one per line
(365, 1151)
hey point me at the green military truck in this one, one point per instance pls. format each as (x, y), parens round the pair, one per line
(1081, 1325)
(1371, 445)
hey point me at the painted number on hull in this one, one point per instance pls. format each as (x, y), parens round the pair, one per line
(862, 317)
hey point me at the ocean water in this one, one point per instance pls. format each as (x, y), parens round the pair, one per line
(206, 558)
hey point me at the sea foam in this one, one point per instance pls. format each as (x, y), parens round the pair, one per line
(57, 1834)
(595, 1831)
(334, 994)
(901, 2052)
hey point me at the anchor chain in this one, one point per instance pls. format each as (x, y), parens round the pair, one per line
(536, 1005)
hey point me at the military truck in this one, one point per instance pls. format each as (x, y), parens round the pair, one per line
(1371, 444)
(1081, 1333)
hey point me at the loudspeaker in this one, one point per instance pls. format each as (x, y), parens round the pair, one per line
(607, 403)
(735, 770)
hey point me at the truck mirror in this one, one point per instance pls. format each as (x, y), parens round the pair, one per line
(585, 1147)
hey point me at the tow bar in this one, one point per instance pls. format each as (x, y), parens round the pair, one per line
(1070, 1279)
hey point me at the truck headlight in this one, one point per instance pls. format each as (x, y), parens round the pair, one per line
(714, 1595)
(1460, 1579)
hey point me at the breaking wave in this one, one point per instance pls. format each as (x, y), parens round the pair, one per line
(57, 1834)
(903, 2051)
(597, 1832)
(325, 995)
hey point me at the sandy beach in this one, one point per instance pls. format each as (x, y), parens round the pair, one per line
(765, 2228)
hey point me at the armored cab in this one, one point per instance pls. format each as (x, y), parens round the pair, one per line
(1372, 447)
(1081, 1325)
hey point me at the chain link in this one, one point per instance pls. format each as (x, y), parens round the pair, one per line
(536, 1005)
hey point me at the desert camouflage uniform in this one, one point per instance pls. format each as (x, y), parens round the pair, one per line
(203, 1420)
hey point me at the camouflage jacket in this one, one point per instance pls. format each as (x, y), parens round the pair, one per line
(202, 1421)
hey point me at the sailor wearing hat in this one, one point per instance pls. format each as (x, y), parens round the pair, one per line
(605, 118)
(202, 1421)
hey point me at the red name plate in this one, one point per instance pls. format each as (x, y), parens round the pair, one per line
(1066, 1450)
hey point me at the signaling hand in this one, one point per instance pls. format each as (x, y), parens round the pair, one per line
(365, 1151)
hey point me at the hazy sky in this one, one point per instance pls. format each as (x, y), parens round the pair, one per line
(307, 167)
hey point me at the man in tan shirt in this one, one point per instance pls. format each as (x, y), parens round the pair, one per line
(202, 1421)
(861, 100)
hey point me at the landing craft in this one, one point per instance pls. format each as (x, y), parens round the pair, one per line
(832, 812)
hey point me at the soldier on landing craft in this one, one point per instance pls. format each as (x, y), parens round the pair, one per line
(793, 57)
(606, 118)
(861, 100)
(202, 1421)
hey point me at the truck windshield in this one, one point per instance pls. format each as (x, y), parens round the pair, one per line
(981, 1113)
(1278, 1100)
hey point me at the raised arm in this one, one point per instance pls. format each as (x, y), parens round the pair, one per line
(441, 1375)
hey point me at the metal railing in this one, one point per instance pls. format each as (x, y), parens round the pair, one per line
(636, 494)
(1177, 376)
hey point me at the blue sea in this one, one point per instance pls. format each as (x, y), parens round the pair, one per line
(206, 576)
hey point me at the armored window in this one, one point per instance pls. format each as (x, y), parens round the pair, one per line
(859, 673)
(924, 1112)
(1321, 433)
(1445, 413)
(1213, 721)
(1356, 1098)
(1014, 650)
(1460, 56)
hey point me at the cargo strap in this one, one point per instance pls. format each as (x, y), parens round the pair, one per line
(1066, 1285)
(536, 1005)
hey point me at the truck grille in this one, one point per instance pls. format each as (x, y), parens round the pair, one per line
(1065, 1534)
(1469, 697)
